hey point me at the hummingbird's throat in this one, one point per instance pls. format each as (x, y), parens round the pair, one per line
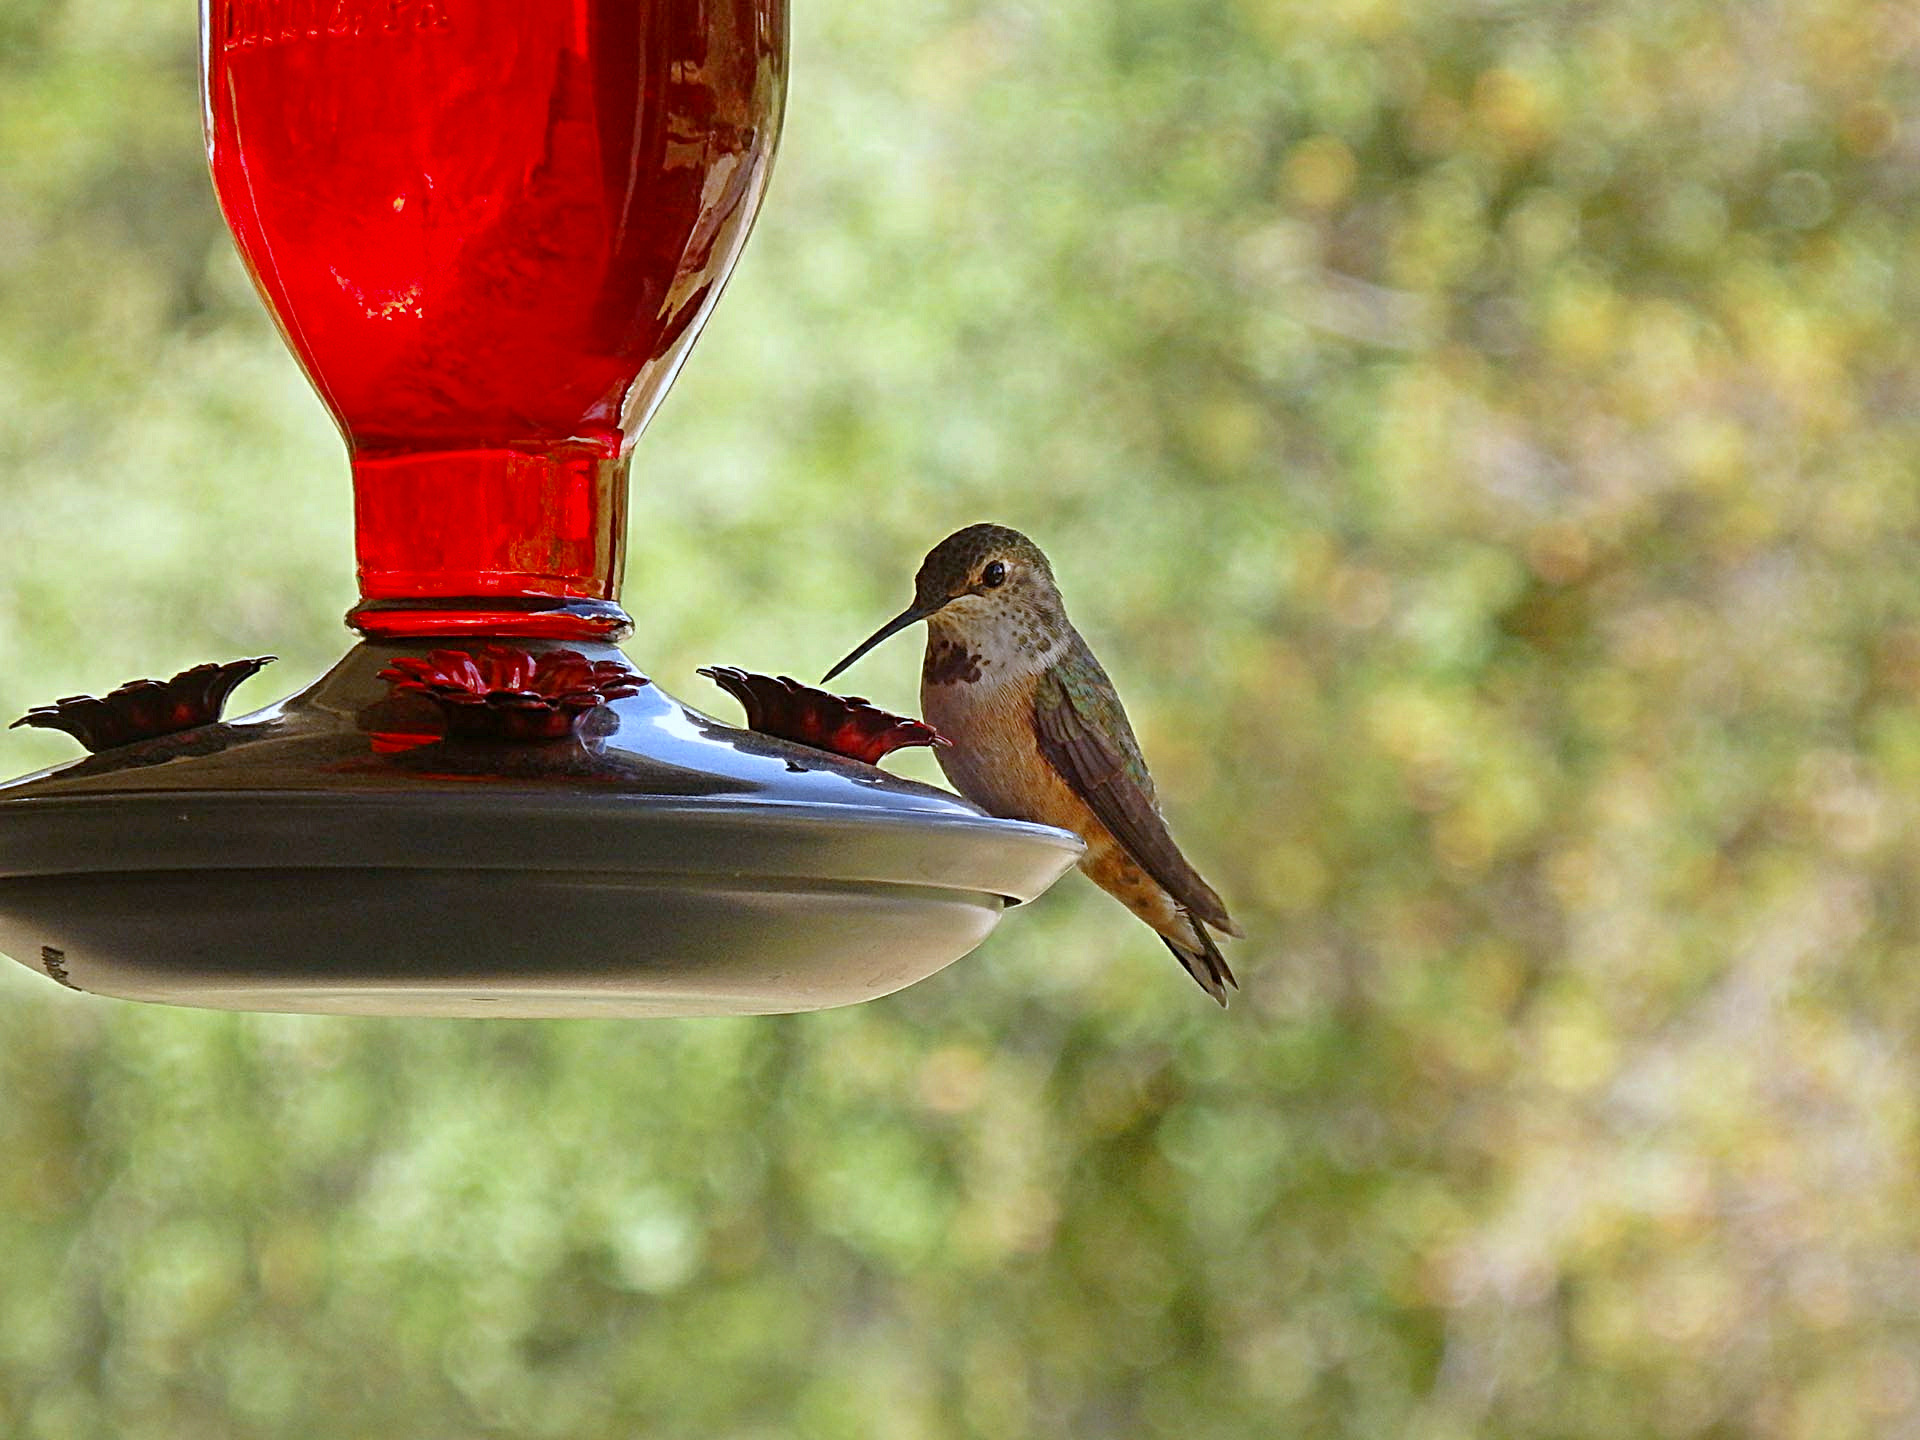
(974, 639)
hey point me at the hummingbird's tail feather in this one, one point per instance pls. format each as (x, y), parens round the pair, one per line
(1203, 961)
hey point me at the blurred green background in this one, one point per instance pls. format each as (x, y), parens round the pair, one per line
(1479, 437)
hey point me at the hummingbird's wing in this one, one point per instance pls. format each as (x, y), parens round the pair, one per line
(1084, 734)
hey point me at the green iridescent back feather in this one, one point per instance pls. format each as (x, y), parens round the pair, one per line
(1084, 734)
(1083, 681)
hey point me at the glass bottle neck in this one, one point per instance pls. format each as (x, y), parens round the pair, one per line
(493, 541)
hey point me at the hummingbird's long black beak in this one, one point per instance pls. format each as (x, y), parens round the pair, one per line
(912, 615)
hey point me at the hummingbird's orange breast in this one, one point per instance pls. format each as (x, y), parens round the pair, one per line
(995, 758)
(996, 762)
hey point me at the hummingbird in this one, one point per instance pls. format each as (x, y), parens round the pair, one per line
(1038, 732)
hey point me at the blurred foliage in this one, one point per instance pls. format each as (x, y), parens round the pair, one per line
(1480, 438)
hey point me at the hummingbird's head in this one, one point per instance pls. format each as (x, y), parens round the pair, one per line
(982, 568)
(985, 580)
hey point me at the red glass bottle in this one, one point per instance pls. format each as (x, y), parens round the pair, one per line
(490, 230)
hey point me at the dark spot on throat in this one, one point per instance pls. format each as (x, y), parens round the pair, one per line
(951, 663)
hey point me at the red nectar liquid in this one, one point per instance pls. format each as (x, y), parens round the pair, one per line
(490, 230)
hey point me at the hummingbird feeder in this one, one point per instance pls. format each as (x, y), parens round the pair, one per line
(490, 231)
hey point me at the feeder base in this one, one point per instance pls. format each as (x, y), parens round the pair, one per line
(311, 857)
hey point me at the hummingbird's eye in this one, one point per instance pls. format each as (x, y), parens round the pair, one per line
(994, 574)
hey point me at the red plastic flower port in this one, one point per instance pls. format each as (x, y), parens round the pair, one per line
(845, 724)
(505, 694)
(144, 709)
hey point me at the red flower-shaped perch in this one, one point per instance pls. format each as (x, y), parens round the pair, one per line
(844, 724)
(513, 695)
(144, 709)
